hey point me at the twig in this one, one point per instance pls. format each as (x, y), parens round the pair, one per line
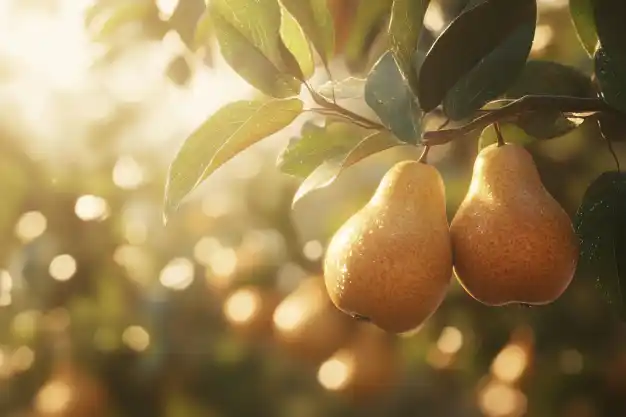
(357, 118)
(496, 126)
(510, 111)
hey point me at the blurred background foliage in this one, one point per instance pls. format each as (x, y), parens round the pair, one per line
(104, 311)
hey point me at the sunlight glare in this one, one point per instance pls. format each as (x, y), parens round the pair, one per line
(335, 373)
(178, 274)
(242, 306)
(30, 226)
(91, 208)
(63, 267)
(6, 286)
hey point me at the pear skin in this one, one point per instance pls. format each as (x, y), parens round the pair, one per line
(391, 262)
(512, 241)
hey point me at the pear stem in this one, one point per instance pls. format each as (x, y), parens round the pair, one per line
(499, 134)
(424, 157)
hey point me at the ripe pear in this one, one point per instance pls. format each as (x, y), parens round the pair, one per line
(308, 325)
(391, 262)
(365, 369)
(512, 241)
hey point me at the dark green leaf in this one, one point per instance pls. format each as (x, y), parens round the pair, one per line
(581, 12)
(612, 127)
(329, 171)
(250, 63)
(368, 22)
(475, 34)
(610, 16)
(389, 95)
(317, 144)
(611, 74)
(316, 22)
(405, 27)
(510, 132)
(550, 78)
(297, 44)
(492, 76)
(601, 228)
(226, 133)
(248, 33)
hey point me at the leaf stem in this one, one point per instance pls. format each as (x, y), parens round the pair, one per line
(530, 103)
(356, 118)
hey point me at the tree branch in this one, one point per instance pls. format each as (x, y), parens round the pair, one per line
(531, 103)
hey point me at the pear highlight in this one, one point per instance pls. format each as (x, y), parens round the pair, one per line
(512, 241)
(391, 262)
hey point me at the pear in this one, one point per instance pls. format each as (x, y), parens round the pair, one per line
(368, 367)
(308, 325)
(512, 242)
(391, 262)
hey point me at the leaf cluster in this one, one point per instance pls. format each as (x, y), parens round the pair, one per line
(476, 73)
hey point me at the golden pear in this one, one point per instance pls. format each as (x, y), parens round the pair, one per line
(391, 262)
(308, 325)
(512, 242)
(368, 367)
(249, 311)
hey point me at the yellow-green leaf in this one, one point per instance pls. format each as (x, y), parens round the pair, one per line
(258, 21)
(250, 62)
(110, 20)
(510, 132)
(204, 30)
(316, 22)
(297, 43)
(329, 171)
(405, 26)
(226, 133)
(366, 25)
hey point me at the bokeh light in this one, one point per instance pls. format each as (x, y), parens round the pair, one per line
(63, 267)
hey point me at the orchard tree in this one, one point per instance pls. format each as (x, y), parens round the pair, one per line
(476, 76)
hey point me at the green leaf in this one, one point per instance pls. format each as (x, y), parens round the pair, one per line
(405, 27)
(107, 21)
(601, 227)
(510, 132)
(248, 33)
(317, 144)
(297, 43)
(250, 63)
(388, 94)
(611, 74)
(460, 60)
(612, 127)
(204, 30)
(346, 89)
(185, 19)
(329, 171)
(492, 76)
(550, 78)
(226, 133)
(368, 22)
(609, 18)
(581, 12)
(316, 22)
